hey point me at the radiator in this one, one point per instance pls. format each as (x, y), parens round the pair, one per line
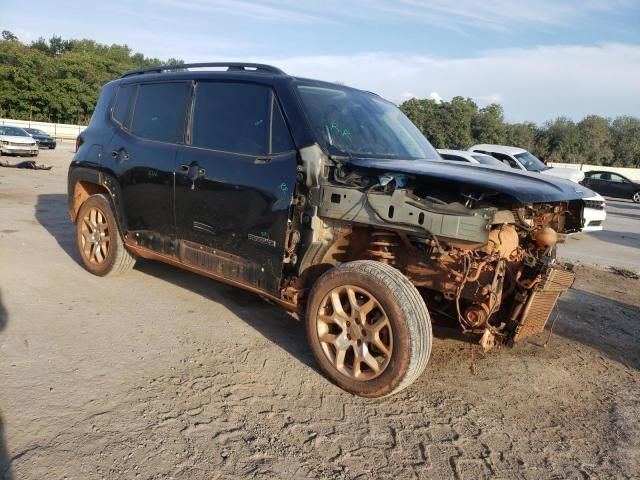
(556, 281)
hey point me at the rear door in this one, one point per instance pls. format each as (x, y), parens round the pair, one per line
(234, 183)
(151, 120)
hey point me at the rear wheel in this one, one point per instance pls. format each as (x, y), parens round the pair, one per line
(98, 239)
(636, 197)
(368, 328)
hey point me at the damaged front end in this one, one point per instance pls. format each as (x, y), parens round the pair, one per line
(477, 254)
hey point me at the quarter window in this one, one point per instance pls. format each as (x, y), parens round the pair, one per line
(237, 117)
(123, 101)
(160, 111)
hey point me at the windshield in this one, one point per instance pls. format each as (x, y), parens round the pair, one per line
(489, 160)
(359, 124)
(13, 131)
(34, 131)
(530, 162)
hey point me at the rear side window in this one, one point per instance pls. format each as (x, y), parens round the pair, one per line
(238, 117)
(160, 111)
(123, 101)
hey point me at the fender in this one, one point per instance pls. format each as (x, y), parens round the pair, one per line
(103, 183)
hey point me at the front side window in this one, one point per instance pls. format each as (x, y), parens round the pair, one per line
(232, 117)
(530, 162)
(123, 102)
(617, 178)
(160, 111)
(353, 123)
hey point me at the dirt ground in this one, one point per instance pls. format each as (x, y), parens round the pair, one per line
(164, 374)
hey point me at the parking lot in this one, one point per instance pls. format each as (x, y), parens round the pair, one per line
(164, 374)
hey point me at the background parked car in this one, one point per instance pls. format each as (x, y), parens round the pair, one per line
(521, 159)
(471, 157)
(43, 139)
(612, 184)
(15, 141)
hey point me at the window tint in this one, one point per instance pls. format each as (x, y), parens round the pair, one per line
(506, 159)
(455, 158)
(280, 136)
(233, 117)
(123, 100)
(159, 112)
(617, 178)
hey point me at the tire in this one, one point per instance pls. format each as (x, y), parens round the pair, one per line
(389, 328)
(636, 197)
(94, 224)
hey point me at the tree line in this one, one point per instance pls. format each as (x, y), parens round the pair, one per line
(459, 124)
(59, 80)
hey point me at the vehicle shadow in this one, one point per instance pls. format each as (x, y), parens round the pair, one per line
(5, 460)
(270, 320)
(51, 213)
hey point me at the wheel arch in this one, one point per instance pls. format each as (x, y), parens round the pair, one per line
(85, 182)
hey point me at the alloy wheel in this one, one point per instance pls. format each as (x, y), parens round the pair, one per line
(355, 333)
(95, 236)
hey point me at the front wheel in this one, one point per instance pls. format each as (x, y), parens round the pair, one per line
(368, 328)
(636, 197)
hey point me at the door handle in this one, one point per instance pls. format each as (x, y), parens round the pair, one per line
(116, 153)
(262, 160)
(199, 171)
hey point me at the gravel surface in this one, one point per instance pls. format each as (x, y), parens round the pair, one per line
(164, 374)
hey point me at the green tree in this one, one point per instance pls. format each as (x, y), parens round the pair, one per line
(488, 125)
(522, 135)
(595, 140)
(625, 132)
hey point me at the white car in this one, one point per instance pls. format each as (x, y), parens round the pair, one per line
(471, 157)
(594, 212)
(15, 141)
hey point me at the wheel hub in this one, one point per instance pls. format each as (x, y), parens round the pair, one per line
(95, 236)
(355, 332)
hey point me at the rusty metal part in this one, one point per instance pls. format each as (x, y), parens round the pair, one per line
(545, 237)
(152, 255)
(81, 192)
(503, 241)
(354, 332)
(95, 236)
(382, 246)
(488, 340)
(541, 301)
(476, 315)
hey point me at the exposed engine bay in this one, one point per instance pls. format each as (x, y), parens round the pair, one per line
(478, 257)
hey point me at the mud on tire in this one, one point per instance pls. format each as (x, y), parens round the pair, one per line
(98, 238)
(368, 328)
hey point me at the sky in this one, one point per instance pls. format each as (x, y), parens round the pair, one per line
(539, 59)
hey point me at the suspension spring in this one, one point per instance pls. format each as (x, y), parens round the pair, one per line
(382, 246)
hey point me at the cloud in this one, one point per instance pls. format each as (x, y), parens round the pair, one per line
(435, 96)
(534, 84)
(460, 16)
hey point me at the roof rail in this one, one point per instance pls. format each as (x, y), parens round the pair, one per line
(231, 66)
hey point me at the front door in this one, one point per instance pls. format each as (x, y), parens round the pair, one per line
(234, 184)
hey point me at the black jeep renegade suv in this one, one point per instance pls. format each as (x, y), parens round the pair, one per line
(324, 199)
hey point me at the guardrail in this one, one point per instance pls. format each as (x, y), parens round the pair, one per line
(630, 173)
(64, 131)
